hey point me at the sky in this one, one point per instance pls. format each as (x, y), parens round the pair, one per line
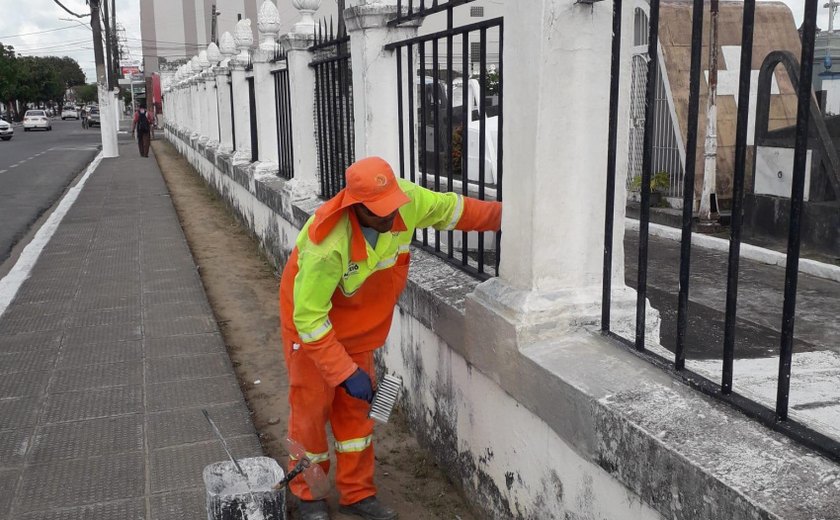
(66, 36)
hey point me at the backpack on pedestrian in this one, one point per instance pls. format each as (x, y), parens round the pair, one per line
(143, 123)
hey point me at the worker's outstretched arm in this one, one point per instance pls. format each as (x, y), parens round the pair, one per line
(317, 278)
(448, 211)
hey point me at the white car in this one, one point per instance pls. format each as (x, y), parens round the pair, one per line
(36, 119)
(69, 113)
(6, 130)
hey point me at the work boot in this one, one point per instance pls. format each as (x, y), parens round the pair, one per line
(313, 510)
(370, 509)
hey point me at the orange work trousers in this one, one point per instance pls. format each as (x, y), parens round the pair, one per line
(314, 403)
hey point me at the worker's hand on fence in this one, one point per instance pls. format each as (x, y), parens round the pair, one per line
(359, 386)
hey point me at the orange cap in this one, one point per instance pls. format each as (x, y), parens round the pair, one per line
(371, 181)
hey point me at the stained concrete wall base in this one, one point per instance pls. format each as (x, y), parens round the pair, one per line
(570, 426)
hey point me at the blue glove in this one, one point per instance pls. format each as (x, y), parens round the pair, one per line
(359, 386)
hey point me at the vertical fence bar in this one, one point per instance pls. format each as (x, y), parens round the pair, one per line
(688, 180)
(409, 58)
(738, 195)
(342, 112)
(796, 201)
(348, 94)
(252, 101)
(335, 125)
(448, 148)
(332, 109)
(436, 115)
(278, 103)
(423, 156)
(500, 141)
(609, 210)
(466, 115)
(322, 131)
(232, 114)
(400, 115)
(644, 217)
(290, 128)
(482, 132)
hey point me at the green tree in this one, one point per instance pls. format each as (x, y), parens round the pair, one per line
(8, 76)
(87, 93)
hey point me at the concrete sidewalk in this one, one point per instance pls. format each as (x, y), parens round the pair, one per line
(108, 353)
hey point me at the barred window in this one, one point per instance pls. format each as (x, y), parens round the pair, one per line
(477, 12)
(475, 52)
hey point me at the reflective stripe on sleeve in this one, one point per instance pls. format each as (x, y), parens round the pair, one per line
(316, 334)
(315, 458)
(353, 445)
(456, 215)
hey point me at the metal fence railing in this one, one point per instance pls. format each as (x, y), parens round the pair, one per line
(333, 106)
(283, 116)
(450, 115)
(232, 113)
(252, 111)
(778, 417)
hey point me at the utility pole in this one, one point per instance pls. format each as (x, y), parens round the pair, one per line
(214, 32)
(708, 199)
(115, 44)
(108, 130)
(112, 83)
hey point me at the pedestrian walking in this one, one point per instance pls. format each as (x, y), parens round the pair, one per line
(142, 123)
(337, 298)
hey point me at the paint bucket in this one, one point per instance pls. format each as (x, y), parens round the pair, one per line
(231, 497)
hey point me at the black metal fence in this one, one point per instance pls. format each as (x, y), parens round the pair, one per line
(333, 106)
(450, 110)
(778, 418)
(283, 116)
(252, 112)
(232, 113)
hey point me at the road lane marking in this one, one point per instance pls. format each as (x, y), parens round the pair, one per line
(3, 171)
(10, 284)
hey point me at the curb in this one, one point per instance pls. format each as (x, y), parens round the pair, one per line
(748, 251)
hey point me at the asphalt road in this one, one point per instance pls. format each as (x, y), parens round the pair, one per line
(35, 169)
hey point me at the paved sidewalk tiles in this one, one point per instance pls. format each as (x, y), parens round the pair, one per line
(107, 355)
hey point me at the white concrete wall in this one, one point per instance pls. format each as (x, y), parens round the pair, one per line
(534, 471)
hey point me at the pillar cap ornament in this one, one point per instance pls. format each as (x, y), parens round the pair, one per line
(268, 20)
(203, 62)
(307, 10)
(227, 45)
(214, 55)
(243, 36)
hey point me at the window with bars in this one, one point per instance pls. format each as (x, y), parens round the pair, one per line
(475, 52)
(477, 12)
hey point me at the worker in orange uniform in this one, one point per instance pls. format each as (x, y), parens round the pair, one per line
(337, 298)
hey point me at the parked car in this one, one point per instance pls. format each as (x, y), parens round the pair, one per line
(6, 130)
(69, 112)
(36, 119)
(93, 117)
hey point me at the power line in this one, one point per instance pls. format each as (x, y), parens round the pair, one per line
(40, 32)
(69, 11)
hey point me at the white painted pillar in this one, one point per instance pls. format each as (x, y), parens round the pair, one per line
(268, 23)
(224, 109)
(555, 165)
(375, 77)
(302, 96)
(195, 107)
(107, 123)
(241, 106)
(204, 96)
(212, 108)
